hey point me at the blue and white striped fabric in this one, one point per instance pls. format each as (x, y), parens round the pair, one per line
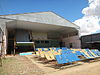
(26, 53)
(66, 58)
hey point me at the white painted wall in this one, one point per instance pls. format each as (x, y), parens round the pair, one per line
(74, 40)
(22, 35)
(4, 29)
(39, 35)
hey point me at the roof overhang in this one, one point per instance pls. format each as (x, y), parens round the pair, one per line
(40, 27)
(41, 22)
(93, 42)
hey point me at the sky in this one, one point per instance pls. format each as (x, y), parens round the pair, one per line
(84, 13)
(90, 22)
(65, 8)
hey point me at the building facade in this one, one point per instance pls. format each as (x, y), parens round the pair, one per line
(45, 29)
(91, 41)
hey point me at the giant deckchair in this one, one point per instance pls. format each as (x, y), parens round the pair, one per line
(37, 53)
(66, 51)
(91, 53)
(51, 55)
(96, 52)
(47, 56)
(42, 54)
(60, 59)
(71, 57)
(78, 53)
(86, 53)
(66, 58)
(64, 48)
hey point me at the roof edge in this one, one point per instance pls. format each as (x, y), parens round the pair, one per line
(42, 12)
(25, 13)
(65, 19)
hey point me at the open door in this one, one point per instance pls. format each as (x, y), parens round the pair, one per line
(11, 37)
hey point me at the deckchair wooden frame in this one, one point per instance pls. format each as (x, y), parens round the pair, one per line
(50, 55)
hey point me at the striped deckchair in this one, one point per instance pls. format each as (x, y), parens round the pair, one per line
(78, 53)
(39, 49)
(96, 52)
(37, 53)
(93, 54)
(89, 53)
(64, 48)
(66, 58)
(60, 59)
(45, 49)
(51, 55)
(56, 53)
(86, 53)
(47, 56)
(42, 54)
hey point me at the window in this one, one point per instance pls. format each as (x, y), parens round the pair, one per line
(37, 41)
(46, 41)
(76, 34)
(42, 41)
(70, 45)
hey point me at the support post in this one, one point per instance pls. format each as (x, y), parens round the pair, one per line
(14, 47)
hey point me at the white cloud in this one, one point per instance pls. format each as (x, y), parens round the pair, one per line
(90, 22)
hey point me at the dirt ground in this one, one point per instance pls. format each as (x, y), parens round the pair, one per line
(19, 65)
(28, 65)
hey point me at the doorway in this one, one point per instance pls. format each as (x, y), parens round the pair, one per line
(11, 35)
